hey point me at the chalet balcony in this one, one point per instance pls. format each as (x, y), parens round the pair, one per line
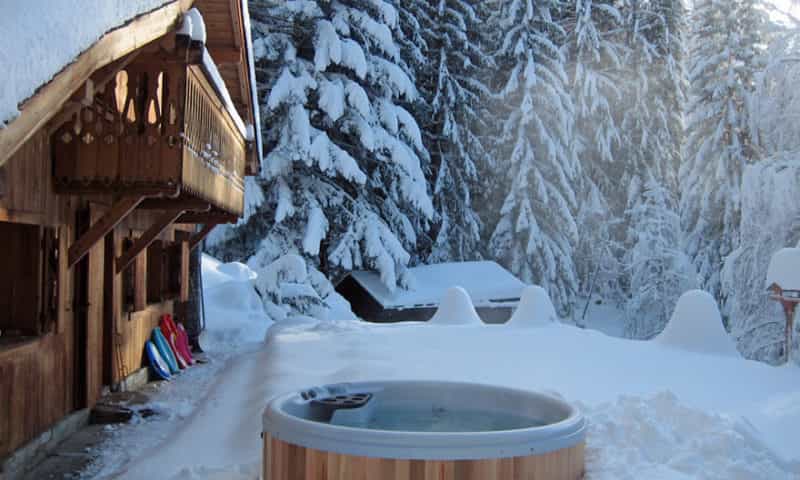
(161, 125)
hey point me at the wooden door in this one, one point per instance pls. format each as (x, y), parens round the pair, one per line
(89, 315)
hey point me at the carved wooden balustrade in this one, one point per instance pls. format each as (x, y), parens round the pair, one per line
(158, 126)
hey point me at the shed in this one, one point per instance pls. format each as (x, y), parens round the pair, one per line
(494, 291)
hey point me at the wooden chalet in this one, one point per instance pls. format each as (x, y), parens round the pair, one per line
(112, 172)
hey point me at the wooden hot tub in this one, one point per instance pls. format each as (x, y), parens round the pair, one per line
(405, 430)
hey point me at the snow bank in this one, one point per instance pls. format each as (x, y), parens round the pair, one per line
(291, 290)
(456, 309)
(54, 33)
(696, 326)
(535, 309)
(660, 438)
(654, 412)
(233, 310)
(784, 269)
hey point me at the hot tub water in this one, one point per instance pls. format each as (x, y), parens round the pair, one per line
(404, 418)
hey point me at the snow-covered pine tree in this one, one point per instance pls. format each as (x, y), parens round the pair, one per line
(594, 59)
(726, 55)
(660, 272)
(459, 114)
(669, 88)
(535, 232)
(654, 86)
(343, 182)
(777, 96)
(770, 221)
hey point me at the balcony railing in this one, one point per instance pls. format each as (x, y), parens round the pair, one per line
(158, 126)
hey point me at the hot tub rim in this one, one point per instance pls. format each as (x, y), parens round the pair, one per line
(415, 445)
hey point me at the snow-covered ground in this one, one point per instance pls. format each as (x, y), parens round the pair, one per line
(655, 409)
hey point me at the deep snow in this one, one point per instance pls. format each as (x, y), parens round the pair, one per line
(656, 411)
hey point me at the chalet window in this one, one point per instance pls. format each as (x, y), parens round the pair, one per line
(29, 281)
(174, 268)
(134, 286)
(156, 272)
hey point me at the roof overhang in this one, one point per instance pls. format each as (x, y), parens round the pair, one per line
(116, 44)
(48, 100)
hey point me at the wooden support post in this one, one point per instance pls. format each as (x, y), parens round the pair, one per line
(97, 231)
(3, 182)
(199, 236)
(788, 309)
(146, 239)
(184, 293)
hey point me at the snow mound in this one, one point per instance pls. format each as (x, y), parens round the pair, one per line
(659, 438)
(535, 309)
(237, 271)
(696, 326)
(456, 309)
(233, 310)
(784, 269)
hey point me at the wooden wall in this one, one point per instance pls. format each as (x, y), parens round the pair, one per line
(39, 376)
(285, 461)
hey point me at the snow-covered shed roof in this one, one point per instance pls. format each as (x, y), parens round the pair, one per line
(485, 282)
(50, 46)
(784, 269)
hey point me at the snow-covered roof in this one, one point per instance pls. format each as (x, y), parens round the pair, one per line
(784, 269)
(251, 70)
(486, 282)
(41, 37)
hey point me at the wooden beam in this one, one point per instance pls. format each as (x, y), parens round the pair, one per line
(185, 204)
(48, 100)
(199, 236)
(111, 219)
(212, 217)
(146, 239)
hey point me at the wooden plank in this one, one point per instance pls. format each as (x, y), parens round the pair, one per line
(284, 461)
(184, 294)
(146, 239)
(140, 295)
(49, 99)
(3, 182)
(94, 314)
(115, 215)
(226, 55)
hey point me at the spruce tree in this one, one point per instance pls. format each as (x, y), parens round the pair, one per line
(725, 59)
(595, 55)
(458, 120)
(344, 184)
(535, 233)
(659, 270)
